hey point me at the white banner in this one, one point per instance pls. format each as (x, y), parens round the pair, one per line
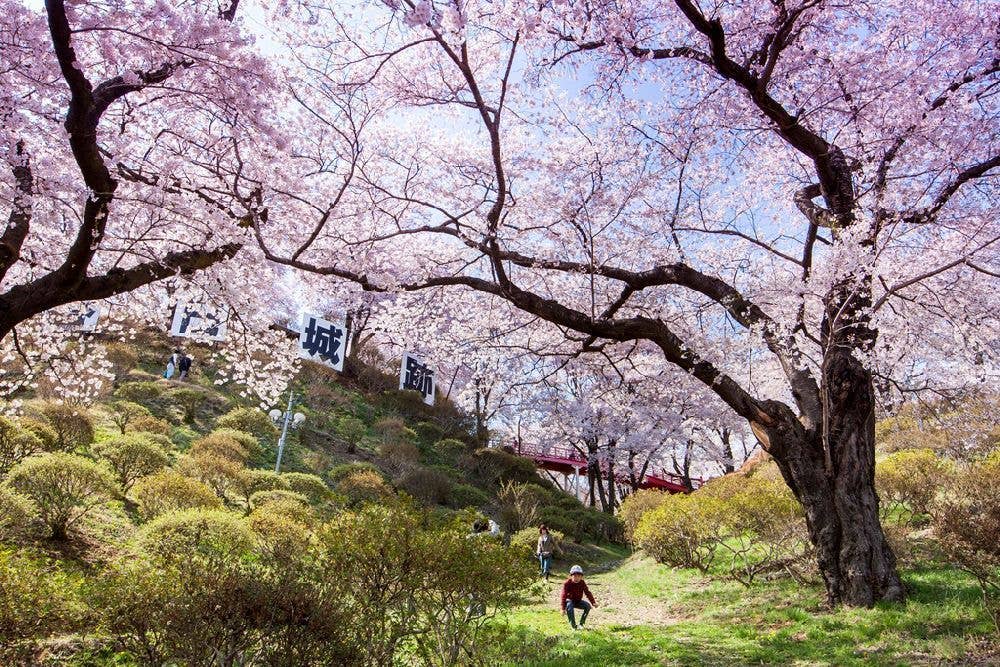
(323, 342)
(86, 317)
(199, 320)
(417, 376)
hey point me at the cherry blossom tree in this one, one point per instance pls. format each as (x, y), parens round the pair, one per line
(793, 203)
(113, 114)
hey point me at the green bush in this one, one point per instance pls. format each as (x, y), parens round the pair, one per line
(311, 486)
(517, 506)
(910, 477)
(42, 431)
(339, 472)
(351, 429)
(150, 424)
(495, 466)
(36, 601)
(17, 514)
(124, 413)
(73, 425)
(196, 533)
(251, 421)
(428, 432)
(683, 531)
(64, 487)
(399, 454)
(237, 446)
(528, 539)
(16, 444)
(635, 506)
(139, 392)
(189, 399)
(426, 484)
(282, 496)
(967, 522)
(466, 495)
(170, 491)
(131, 457)
(363, 486)
(250, 482)
(221, 473)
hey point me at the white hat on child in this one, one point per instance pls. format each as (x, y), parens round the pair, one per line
(576, 569)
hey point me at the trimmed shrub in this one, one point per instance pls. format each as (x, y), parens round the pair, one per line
(967, 521)
(262, 498)
(16, 444)
(228, 444)
(249, 482)
(219, 472)
(248, 420)
(64, 487)
(311, 486)
(17, 514)
(634, 507)
(139, 392)
(150, 424)
(125, 412)
(170, 491)
(351, 429)
(683, 531)
(393, 428)
(73, 425)
(42, 431)
(132, 456)
(495, 466)
(206, 533)
(426, 484)
(428, 432)
(363, 486)
(189, 400)
(339, 472)
(399, 454)
(466, 495)
(910, 477)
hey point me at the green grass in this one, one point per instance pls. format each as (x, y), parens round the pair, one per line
(701, 622)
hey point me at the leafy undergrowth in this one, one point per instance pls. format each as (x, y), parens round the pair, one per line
(653, 615)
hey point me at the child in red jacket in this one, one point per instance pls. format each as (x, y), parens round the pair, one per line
(573, 591)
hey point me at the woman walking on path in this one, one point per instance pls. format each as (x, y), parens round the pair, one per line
(546, 545)
(573, 591)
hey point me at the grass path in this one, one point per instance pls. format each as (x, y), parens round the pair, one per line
(653, 615)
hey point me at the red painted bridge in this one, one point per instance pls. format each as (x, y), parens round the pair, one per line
(569, 461)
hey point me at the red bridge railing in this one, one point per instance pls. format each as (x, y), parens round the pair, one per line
(561, 457)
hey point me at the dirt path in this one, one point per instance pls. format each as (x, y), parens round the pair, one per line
(616, 607)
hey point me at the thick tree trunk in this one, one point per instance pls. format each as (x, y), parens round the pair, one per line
(836, 486)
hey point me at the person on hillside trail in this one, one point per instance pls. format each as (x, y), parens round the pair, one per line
(184, 366)
(546, 545)
(573, 591)
(172, 363)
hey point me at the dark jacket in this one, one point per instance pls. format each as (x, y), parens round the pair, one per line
(185, 364)
(575, 592)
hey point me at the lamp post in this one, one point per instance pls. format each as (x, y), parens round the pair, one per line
(288, 420)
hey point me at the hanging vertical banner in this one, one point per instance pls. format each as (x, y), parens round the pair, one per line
(86, 317)
(198, 320)
(418, 377)
(323, 342)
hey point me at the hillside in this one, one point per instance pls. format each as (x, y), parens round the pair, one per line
(156, 458)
